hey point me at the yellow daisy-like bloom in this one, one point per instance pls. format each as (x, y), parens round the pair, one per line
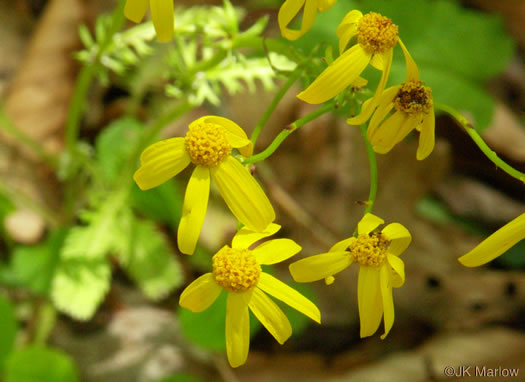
(496, 244)
(399, 110)
(291, 8)
(381, 269)
(376, 38)
(208, 145)
(237, 269)
(161, 14)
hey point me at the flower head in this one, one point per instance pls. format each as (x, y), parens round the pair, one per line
(161, 13)
(397, 111)
(381, 269)
(208, 145)
(496, 244)
(291, 8)
(376, 37)
(237, 270)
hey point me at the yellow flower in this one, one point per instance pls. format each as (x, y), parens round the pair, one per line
(399, 110)
(496, 244)
(376, 38)
(381, 269)
(208, 144)
(161, 13)
(237, 270)
(289, 10)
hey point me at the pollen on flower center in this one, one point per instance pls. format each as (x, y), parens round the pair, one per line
(369, 250)
(376, 33)
(236, 270)
(413, 98)
(207, 144)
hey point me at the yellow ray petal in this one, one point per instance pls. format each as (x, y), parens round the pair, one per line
(135, 10)
(321, 266)
(426, 137)
(342, 245)
(270, 315)
(243, 195)
(383, 109)
(275, 251)
(194, 210)
(246, 237)
(237, 328)
(289, 10)
(337, 76)
(383, 138)
(399, 238)
(160, 162)
(290, 296)
(324, 5)
(496, 244)
(369, 300)
(398, 270)
(366, 112)
(348, 28)
(388, 301)
(200, 294)
(412, 71)
(235, 134)
(163, 20)
(407, 126)
(368, 223)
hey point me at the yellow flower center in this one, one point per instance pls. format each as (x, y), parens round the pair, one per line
(413, 98)
(369, 250)
(376, 33)
(236, 270)
(207, 144)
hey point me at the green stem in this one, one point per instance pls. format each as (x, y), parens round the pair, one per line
(471, 131)
(287, 131)
(273, 105)
(373, 171)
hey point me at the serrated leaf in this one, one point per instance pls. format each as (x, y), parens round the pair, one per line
(8, 326)
(150, 262)
(40, 364)
(80, 285)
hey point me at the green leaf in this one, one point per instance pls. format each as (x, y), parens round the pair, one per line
(33, 267)
(150, 262)
(40, 364)
(8, 327)
(79, 286)
(206, 328)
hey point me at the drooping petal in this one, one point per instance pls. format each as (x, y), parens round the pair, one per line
(275, 251)
(246, 237)
(194, 210)
(162, 14)
(270, 315)
(369, 300)
(412, 71)
(237, 328)
(368, 223)
(235, 134)
(342, 245)
(289, 296)
(407, 126)
(496, 244)
(135, 10)
(384, 135)
(324, 5)
(160, 162)
(398, 236)
(337, 76)
(289, 10)
(243, 195)
(200, 294)
(348, 28)
(386, 63)
(384, 107)
(388, 301)
(321, 266)
(398, 270)
(426, 137)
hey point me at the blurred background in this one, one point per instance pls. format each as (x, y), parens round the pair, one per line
(89, 270)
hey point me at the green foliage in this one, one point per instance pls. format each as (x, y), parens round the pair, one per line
(8, 328)
(40, 364)
(162, 203)
(457, 50)
(182, 378)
